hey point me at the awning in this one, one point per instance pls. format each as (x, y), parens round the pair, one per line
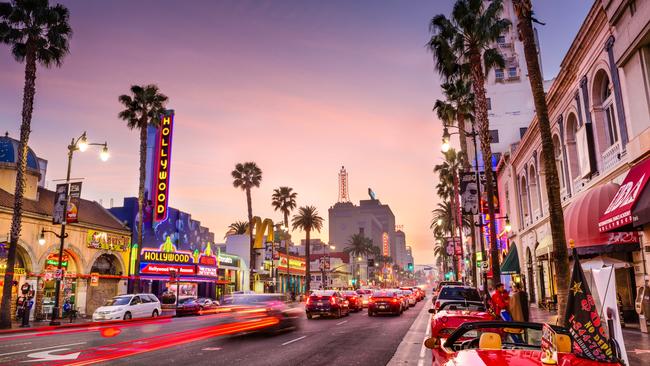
(544, 247)
(510, 264)
(618, 215)
(581, 223)
(601, 262)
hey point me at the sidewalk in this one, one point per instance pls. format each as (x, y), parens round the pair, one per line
(411, 351)
(637, 344)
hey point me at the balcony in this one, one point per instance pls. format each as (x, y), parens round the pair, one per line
(612, 156)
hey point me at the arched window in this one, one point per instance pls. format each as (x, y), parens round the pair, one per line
(605, 108)
(534, 193)
(559, 161)
(524, 200)
(573, 148)
(106, 264)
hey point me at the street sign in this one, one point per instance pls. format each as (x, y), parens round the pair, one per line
(484, 266)
(58, 274)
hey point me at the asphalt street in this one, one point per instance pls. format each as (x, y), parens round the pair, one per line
(209, 340)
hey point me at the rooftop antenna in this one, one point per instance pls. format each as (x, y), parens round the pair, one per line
(344, 195)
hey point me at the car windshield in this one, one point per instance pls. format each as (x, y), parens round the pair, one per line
(117, 301)
(513, 336)
(323, 293)
(383, 294)
(459, 293)
(462, 305)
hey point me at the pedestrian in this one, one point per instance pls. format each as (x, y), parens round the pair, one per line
(516, 306)
(500, 299)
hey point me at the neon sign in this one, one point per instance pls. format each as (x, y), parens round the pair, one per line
(385, 244)
(163, 163)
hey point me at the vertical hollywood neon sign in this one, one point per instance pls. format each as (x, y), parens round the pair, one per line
(385, 244)
(163, 164)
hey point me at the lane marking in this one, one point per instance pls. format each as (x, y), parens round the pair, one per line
(40, 349)
(421, 362)
(343, 322)
(48, 356)
(294, 340)
(211, 349)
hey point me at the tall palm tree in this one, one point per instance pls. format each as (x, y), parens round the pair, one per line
(307, 220)
(144, 107)
(358, 246)
(284, 200)
(247, 176)
(457, 108)
(523, 9)
(237, 228)
(37, 34)
(467, 38)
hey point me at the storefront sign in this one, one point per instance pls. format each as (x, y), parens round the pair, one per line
(208, 260)
(17, 270)
(94, 279)
(207, 271)
(228, 260)
(166, 257)
(162, 165)
(107, 241)
(296, 264)
(619, 211)
(52, 260)
(165, 269)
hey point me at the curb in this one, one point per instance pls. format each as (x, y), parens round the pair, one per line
(78, 325)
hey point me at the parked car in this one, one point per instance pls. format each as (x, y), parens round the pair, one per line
(127, 307)
(452, 293)
(437, 289)
(188, 306)
(385, 302)
(327, 302)
(355, 301)
(454, 313)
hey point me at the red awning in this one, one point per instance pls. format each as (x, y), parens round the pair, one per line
(618, 214)
(581, 223)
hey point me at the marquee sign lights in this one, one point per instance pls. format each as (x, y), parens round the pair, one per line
(385, 244)
(162, 163)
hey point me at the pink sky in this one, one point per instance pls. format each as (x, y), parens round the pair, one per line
(300, 87)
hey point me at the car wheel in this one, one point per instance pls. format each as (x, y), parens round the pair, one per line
(309, 316)
(370, 313)
(154, 314)
(347, 313)
(127, 316)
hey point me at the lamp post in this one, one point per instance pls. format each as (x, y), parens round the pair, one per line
(322, 264)
(80, 143)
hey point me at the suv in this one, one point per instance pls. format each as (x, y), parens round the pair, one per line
(127, 307)
(327, 302)
(454, 293)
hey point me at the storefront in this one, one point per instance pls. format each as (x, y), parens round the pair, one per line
(230, 277)
(294, 279)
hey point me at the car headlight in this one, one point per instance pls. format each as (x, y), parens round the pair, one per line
(116, 310)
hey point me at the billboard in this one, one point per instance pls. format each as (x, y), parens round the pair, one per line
(162, 165)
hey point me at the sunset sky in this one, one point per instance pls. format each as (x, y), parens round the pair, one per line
(300, 87)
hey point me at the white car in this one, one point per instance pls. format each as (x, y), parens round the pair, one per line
(127, 307)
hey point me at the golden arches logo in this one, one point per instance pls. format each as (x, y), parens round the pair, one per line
(260, 227)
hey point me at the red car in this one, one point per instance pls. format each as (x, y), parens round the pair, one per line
(498, 343)
(355, 301)
(327, 302)
(385, 302)
(454, 314)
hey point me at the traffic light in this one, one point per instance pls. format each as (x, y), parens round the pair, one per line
(410, 267)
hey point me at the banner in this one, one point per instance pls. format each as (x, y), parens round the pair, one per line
(469, 193)
(107, 241)
(72, 214)
(162, 165)
(495, 193)
(589, 335)
(94, 279)
(60, 199)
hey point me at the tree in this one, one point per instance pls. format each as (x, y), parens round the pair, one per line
(37, 34)
(523, 9)
(457, 108)
(246, 176)
(467, 38)
(143, 108)
(307, 220)
(358, 246)
(284, 200)
(237, 228)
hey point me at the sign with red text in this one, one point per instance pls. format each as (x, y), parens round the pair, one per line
(206, 271)
(165, 269)
(162, 164)
(619, 212)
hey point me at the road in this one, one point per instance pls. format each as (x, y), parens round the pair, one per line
(207, 340)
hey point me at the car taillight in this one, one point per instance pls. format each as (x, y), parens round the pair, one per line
(371, 301)
(308, 301)
(332, 300)
(395, 300)
(437, 306)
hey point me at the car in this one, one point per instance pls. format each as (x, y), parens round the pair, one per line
(441, 284)
(419, 294)
(365, 295)
(498, 343)
(126, 307)
(385, 302)
(456, 293)
(403, 299)
(454, 313)
(411, 298)
(188, 306)
(355, 301)
(248, 307)
(326, 303)
(208, 305)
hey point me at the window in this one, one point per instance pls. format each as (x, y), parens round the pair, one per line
(501, 39)
(489, 103)
(522, 132)
(494, 136)
(498, 73)
(612, 135)
(512, 72)
(135, 300)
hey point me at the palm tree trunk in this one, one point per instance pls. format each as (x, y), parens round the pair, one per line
(552, 180)
(25, 128)
(249, 203)
(480, 111)
(463, 140)
(307, 262)
(141, 203)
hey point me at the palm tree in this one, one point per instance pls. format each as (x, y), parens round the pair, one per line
(143, 108)
(358, 246)
(523, 9)
(284, 200)
(37, 34)
(307, 220)
(457, 108)
(467, 38)
(246, 176)
(237, 228)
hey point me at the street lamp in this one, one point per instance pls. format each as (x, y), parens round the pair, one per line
(508, 227)
(79, 144)
(445, 140)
